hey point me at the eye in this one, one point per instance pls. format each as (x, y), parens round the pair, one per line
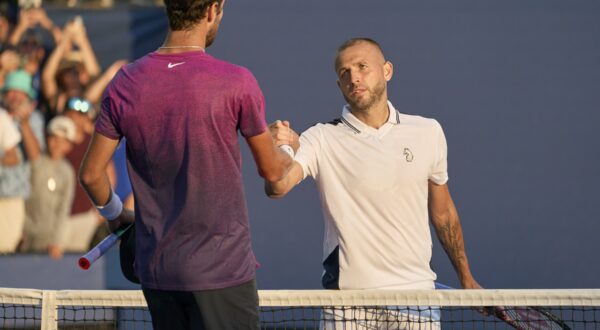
(362, 66)
(342, 73)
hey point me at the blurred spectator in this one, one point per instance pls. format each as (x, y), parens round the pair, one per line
(5, 22)
(9, 62)
(52, 190)
(32, 18)
(9, 139)
(9, 59)
(15, 184)
(68, 73)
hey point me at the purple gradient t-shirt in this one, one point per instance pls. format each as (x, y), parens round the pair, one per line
(180, 114)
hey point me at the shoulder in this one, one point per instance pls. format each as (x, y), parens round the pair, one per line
(320, 129)
(228, 69)
(428, 124)
(325, 126)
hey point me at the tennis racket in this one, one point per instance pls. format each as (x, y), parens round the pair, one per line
(522, 318)
(100, 249)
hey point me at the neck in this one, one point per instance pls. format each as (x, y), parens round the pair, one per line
(375, 116)
(185, 41)
(55, 156)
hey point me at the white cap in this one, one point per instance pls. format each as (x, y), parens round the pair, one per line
(62, 126)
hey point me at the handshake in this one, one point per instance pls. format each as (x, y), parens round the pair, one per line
(284, 137)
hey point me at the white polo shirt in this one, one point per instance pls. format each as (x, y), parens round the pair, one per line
(373, 185)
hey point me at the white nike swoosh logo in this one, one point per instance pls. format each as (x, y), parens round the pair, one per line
(172, 65)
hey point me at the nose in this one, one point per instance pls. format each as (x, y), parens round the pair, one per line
(354, 77)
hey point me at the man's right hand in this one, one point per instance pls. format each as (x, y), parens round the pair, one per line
(126, 218)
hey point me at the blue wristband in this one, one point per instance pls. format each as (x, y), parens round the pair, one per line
(113, 209)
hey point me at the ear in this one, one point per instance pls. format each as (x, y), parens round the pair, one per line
(212, 12)
(388, 70)
(339, 84)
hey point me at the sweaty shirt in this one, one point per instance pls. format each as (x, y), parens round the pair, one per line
(181, 114)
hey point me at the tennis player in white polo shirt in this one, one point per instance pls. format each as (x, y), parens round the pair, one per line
(381, 176)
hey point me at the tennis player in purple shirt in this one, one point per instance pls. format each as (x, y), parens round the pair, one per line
(180, 110)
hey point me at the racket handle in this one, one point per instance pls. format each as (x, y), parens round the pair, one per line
(97, 251)
(100, 249)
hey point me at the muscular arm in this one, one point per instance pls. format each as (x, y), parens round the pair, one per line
(445, 220)
(94, 179)
(280, 188)
(273, 164)
(282, 134)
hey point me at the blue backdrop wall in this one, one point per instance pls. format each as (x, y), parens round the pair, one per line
(515, 84)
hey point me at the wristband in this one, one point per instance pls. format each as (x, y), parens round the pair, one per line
(113, 209)
(288, 149)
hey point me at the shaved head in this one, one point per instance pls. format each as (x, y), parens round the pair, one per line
(355, 41)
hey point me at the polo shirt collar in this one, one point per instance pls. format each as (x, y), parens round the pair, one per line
(358, 126)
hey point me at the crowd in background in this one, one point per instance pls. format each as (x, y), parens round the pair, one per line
(49, 98)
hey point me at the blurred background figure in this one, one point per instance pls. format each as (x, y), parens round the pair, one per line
(9, 139)
(70, 68)
(15, 187)
(9, 57)
(84, 220)
(52, 189)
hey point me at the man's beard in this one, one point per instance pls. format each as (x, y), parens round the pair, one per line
(212, 34)
(365, 103)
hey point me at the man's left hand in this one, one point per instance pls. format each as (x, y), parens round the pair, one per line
(126, 218)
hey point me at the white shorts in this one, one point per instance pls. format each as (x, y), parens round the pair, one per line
(391, 317)
(12, 220)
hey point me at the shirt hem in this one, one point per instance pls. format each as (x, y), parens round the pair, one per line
(198, 287)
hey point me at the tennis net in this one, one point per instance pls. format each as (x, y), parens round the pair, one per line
(322, 309)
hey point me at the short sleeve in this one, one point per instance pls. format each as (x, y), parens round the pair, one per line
(439, 169)
(9, 134)
(108, 120)
(251, 115)
(307, 154)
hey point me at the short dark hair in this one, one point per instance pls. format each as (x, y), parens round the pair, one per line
(351, 42)
(183, 14)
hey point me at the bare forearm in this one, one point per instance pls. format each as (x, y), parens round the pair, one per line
(278, 189)
(49, 87)
(97, 186)
(10, 158)
(449, 232)
(30, 142)
(89, 58)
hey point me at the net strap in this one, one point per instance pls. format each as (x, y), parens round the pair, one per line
(49, 311)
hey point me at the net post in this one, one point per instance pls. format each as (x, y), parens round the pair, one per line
(49, 311)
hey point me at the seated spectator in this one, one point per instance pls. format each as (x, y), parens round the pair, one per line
(15, 186)
(52, 189)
